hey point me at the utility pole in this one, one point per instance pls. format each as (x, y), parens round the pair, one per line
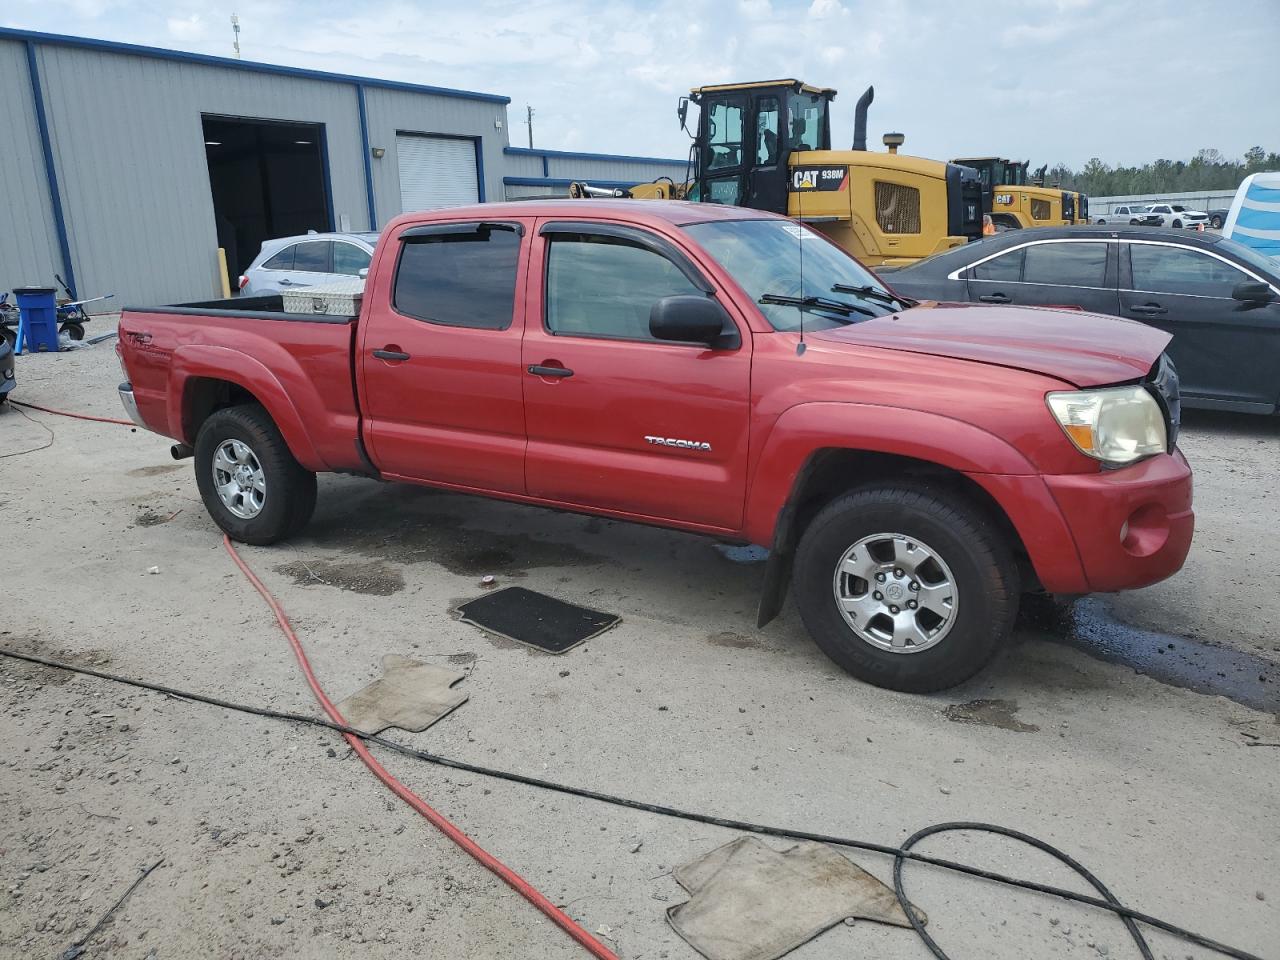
(528, 111)
(235, 29)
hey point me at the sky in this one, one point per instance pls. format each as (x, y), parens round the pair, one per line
(1051, 81)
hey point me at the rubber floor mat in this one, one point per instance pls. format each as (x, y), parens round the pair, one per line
(751, 902)
(410, 695)
(536, 619)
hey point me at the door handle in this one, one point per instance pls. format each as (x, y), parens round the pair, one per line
(390, 355)
(994, 298)
(538, 370)
(286, 283)
(1149, 309)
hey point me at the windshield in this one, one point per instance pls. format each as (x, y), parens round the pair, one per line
(764, 257)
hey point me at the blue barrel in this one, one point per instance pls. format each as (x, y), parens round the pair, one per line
(37, 319)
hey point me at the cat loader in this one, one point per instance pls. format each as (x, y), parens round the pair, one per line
(1014, 199)
(767, 145)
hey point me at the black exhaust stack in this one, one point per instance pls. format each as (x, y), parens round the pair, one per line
(860, 119)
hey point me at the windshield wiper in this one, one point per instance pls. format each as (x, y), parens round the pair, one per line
(819, 303)
(869, 292)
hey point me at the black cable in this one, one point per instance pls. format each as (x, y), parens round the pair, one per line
(900, 854)
(43, 426)
(77, 948)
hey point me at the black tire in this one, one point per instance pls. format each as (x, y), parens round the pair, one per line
(985, 576)
(1177, 224)
(1101, 222)
(74, 330)
(1216, 222)
(1135, 222)
(290, 495)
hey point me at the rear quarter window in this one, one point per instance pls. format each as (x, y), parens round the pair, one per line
(282, 260)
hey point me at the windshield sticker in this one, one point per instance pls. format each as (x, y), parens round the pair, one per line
(799, 232)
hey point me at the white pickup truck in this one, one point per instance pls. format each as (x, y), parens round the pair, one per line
(1130, 213)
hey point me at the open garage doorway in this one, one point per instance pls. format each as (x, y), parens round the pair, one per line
(269, 179)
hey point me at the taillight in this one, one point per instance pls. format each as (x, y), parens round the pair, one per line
(244, 282)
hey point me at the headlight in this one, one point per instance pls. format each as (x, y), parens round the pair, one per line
(1117, 425)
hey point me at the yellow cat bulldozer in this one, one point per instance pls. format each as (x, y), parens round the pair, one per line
(1015, 199)
(767, 146)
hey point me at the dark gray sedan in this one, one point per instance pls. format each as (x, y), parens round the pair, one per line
(1219, 299)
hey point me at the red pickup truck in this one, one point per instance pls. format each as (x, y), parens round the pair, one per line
(913, 468)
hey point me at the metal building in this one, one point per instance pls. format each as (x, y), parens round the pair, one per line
(128, 167)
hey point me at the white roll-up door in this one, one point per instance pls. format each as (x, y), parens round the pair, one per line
(436, 172)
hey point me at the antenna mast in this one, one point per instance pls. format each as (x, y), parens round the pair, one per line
(235, 29)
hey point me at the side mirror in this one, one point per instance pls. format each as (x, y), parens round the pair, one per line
(682, 111)
(693, 319)
(1251, 292)
(363, 273)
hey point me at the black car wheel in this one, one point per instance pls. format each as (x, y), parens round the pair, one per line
(74, 330)
(1177, 224)
(1135, 222)
(1216, 222)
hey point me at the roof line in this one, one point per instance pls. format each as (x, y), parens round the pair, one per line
(527, 152)
(160, 53)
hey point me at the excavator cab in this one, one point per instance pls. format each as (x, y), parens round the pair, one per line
(746, 135)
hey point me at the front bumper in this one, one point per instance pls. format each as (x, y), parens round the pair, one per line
(130, 404)
(1104, 531)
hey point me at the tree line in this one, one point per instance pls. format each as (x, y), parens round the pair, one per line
(1207, 170)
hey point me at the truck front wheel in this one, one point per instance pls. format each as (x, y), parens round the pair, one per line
(251, 485)
(906, 587)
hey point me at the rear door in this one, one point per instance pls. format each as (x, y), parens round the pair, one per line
(615, 418)
(311, 263)
(1225, 350)
(1050, 273)
(439, 353)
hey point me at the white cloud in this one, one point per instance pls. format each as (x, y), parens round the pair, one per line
(186, 28)
(822, 9)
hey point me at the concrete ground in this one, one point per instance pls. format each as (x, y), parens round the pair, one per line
(277, 843)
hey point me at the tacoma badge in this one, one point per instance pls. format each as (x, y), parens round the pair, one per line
(684, 444)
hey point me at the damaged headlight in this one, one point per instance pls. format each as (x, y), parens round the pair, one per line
(1117, 425)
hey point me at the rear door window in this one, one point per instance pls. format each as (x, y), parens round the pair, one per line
(282, 260)
(1163, 269)
(1066, 264)
(463, 279)
(312, 257)
(1007, 267)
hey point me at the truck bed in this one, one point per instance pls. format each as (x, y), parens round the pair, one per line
(258, 308)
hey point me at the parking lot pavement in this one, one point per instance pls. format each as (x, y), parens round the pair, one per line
(277, 843)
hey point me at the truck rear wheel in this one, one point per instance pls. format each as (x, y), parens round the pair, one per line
(251, 485)
(906, 587)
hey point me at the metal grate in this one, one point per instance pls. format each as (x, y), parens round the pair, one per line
(897, 208)
(1040, 209)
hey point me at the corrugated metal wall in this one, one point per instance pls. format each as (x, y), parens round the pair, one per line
(28, 243)
(392, 111)
(129, 149)
(557, 167)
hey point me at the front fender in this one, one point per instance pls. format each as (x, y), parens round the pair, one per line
(806, 428)
(223, 363)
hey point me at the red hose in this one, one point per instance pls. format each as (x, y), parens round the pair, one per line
(438, 820)
(77, 416)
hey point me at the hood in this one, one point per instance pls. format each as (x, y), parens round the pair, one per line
(1083, 349)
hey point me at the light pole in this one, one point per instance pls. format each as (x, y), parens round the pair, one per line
(235, 29)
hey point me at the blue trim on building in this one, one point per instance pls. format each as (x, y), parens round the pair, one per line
(561, 182)
(479, 145)
(324, 174)
(50, 170)
(570, 155)
(159, 53)
(368, 157)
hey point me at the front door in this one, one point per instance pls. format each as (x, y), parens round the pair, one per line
(1054, 273)
(1223, 349)
(440, 355)
(723, 163)
(615, 418)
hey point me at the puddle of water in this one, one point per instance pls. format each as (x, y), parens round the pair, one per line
(1178, 661)
(990, 713)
